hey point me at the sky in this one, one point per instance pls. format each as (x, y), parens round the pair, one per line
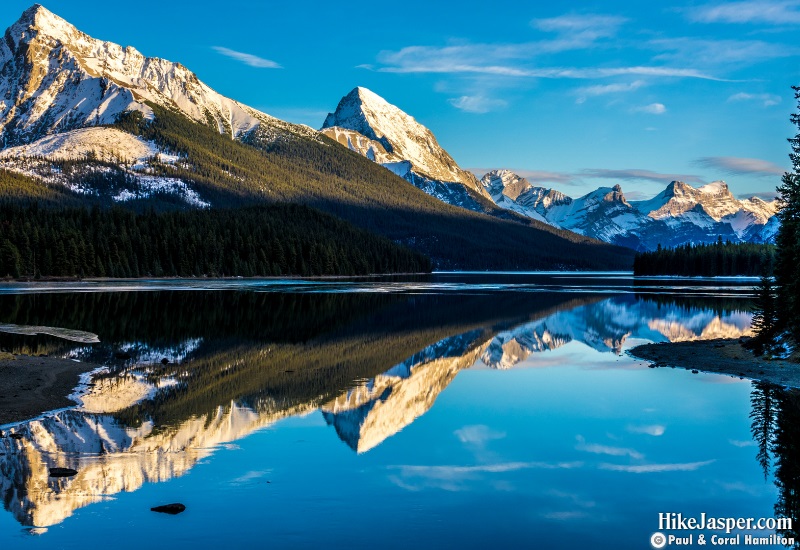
(571, 95)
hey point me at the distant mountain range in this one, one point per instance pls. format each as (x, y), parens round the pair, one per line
(367, 124)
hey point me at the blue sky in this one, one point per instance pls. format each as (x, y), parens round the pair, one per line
(573, 95)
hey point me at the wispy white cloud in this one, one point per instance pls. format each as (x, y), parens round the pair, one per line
(770, 12)
(715, 53)
(456, 478)
(604, 89)
(492, 59)
(606, 449)
(477, 103)
(651, 109)
(478, 434)
(656, 468)
(577, 31)
(738, 166)
(542, 176)
(651, 429)
(250, 476)
(456, 471)
(639, 174)
(767, 100)
(247, 58)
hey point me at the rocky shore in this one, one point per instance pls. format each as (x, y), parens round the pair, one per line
(721, 356)
(31, 385)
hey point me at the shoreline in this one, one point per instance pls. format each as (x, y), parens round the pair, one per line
(53, 279)
(31, 385)
(720, 356)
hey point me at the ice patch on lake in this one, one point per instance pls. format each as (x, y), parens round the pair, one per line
(65, 333)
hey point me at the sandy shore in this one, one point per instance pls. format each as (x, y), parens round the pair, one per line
(722, 357)
(30, 386)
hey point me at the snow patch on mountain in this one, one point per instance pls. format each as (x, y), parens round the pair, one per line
(126, 184)
(101, 143)
(147, 186)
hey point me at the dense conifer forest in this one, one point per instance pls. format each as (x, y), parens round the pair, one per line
(266, 240)
(706, 260)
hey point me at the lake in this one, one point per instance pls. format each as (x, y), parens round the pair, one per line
(457, 410)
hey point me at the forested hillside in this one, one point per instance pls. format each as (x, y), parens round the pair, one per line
(322, 174)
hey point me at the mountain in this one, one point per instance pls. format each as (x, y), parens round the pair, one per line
(56, 78)
(85, 122)
(513, 192)
(368, 124)
(713, 210)
(677, 215)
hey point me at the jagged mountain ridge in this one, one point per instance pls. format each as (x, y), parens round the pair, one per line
(55, 78)
(366, 123)
(677, 215)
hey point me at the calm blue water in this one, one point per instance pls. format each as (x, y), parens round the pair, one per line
(463, 410)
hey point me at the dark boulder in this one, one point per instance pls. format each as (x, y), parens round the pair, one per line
(63, 472)
(174, 508)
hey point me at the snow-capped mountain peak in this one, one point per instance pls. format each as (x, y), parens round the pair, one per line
(37, 19)
(55, 78)
(715, 199)
(372, 126)
(513, 192)
(506, 182)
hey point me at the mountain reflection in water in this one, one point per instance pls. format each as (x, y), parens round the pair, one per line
(190, 372)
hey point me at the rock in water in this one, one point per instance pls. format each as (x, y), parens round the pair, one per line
(174, 508)
(63, 472)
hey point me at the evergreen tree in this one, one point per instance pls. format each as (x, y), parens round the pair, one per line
(787, 266)
(765, 312)
(10, 260)
(763, 416)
